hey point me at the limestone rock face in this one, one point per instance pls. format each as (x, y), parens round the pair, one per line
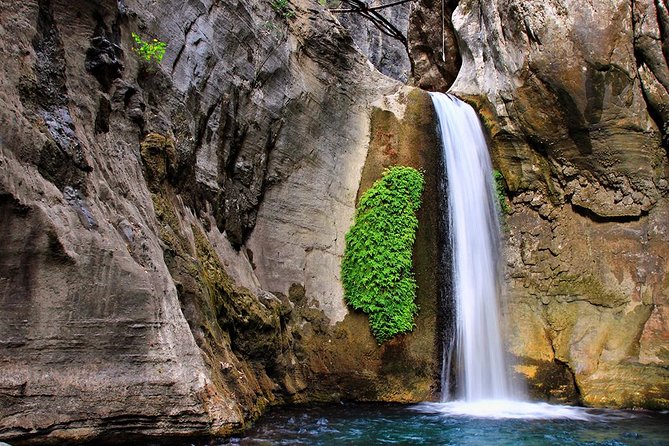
(433, 44)
(588, 304)
(388, 55)
(429, 61)
(558, 84)
(172, 231)
(574, 96)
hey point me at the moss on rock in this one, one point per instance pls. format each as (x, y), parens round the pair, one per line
(159, 157)
(586, 287)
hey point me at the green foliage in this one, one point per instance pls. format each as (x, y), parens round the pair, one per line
(500, 191)
(149, 51)
(282, 7)
(377, 266)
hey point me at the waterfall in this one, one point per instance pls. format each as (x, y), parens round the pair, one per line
(474, 230)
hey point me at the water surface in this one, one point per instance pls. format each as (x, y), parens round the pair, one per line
(446, 424)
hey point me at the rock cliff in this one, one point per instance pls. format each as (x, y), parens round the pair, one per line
(574, 96)
(389, 55)
(173, 231)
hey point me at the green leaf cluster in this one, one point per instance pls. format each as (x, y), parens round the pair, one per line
(282, 7)
(500, 191)
(377, 265)
(153, 50)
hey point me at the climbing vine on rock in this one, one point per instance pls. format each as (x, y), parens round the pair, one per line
(500, 191)
(377, 266)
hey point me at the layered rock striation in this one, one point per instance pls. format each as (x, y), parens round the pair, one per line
(574, 95)
(173, 231)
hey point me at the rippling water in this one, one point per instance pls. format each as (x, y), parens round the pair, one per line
(456, 424)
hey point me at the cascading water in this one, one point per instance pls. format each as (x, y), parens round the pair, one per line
(474, 232)
(483, 377)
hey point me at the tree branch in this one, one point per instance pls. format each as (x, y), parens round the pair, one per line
(372, 14)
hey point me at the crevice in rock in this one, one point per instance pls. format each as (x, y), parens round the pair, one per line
(637, 338)
(656, 115)
(243, 177)
(433, 45)
(663, 23)
(203, 125)
(102, 116)
(183, 47)
(61, 158)
(578, 395)
(270, 143)
(591, 215)
(652, 69)
(233, 133)
(104, 55)
(50, 63)
(572, 375)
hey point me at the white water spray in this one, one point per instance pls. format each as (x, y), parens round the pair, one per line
(474, 232)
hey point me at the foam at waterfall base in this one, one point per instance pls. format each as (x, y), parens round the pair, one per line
(509, 409)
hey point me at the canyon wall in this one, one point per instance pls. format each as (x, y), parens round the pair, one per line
(388, 54)
(574, 97)
(173, 231)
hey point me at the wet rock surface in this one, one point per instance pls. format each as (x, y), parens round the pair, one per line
(560, 90)
(590, 297)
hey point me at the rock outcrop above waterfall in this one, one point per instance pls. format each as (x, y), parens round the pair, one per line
(169, 263)
(388, 54)
(575, 96)
(433, 45)
(430, 60)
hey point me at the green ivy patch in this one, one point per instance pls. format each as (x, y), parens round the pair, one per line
(153, 50)
(377, 266)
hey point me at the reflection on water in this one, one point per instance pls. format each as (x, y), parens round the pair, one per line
(456, 424)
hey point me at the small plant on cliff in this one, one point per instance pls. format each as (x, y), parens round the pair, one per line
(377, 266)
(500, 191)
(282, 7)
(153, 50)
